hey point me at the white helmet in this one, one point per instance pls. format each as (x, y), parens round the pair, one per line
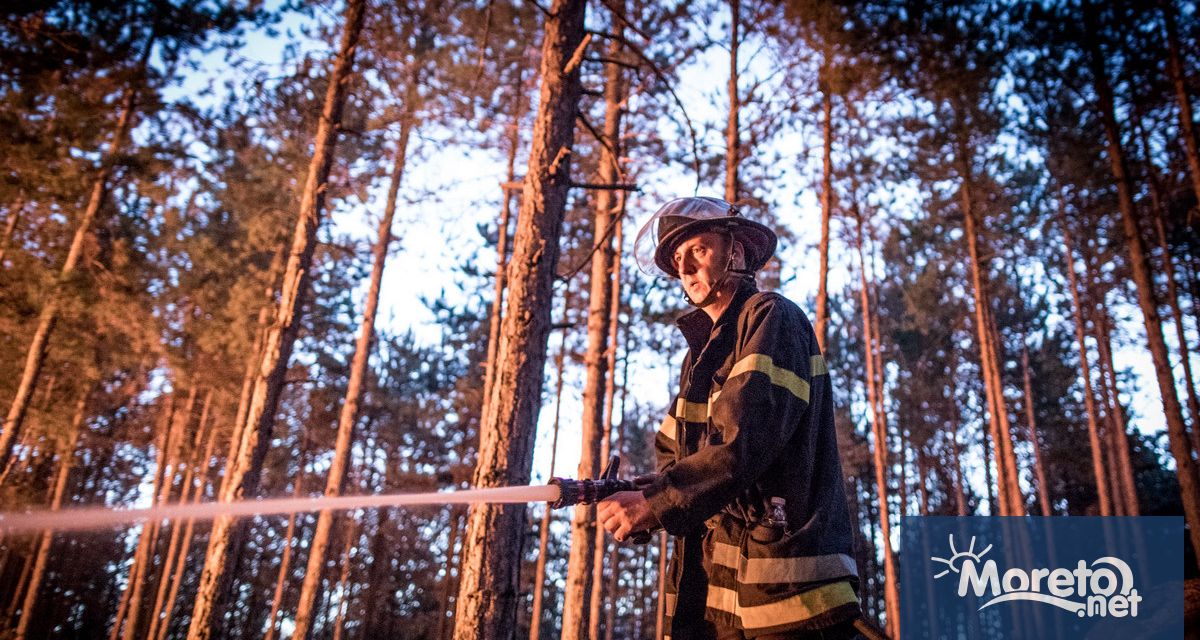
(683, 218)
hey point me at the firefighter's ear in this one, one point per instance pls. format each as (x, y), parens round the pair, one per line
(737, 256)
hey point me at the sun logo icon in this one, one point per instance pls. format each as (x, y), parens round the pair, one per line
(957, 558)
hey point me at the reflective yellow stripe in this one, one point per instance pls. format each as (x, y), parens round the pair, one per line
(669, 427)
(670, 602)
(783, 570)
(790, 610)
(818, 365)
(691, 411)
(778, 375)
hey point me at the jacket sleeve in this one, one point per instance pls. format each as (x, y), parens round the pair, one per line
(666, 443)
(753, 417)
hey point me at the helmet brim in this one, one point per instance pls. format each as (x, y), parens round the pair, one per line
(758, 241)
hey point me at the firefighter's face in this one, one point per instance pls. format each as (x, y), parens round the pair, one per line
(702, 260)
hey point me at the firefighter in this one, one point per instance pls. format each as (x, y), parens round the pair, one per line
(748, 478)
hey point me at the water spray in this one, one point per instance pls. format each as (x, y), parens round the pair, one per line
(559, 493)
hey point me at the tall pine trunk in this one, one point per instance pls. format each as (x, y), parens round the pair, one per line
(487, 599)
(733, 144)
(880, 449)
(826, 194)
(1189, 481)
(35, 356)
(1099, 471)
(336, 479)
(285, 560)
(998, 424)
(65, 463)
(244, 472)
(501, 280)
(539, 575)
(1187, 126)
(1039, 471)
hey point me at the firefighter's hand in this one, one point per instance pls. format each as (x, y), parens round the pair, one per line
(624, 513)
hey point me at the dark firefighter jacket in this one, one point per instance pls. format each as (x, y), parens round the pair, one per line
(753, 420)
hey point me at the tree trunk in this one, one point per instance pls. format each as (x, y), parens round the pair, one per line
(444, 610)
(48, 318)
(42, 555)
(252, 360)
(10, 227)
(501, 281)
(1125, 492)
(487, 599)
(245, 470)
(128, 615)
(285, 560)
(335, 481)
(199, 482)
(733, 132)
(998, 424)
(1089, 396)
(1189, 481)
(826, 195)
(1039, 471)
(891, 575)
(606, 275)
(539, 579)
(343, 581)
(1179, 83)
(173, 546)
(660, 613)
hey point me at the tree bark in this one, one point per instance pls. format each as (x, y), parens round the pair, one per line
(1189, 481)
(585, 567)
(1187, 127)
(36, 355)
(733, 143)
(826, 196)
(335, 481)
(891, 574)
(245, 471)
(487, 599)
(1043, 489)
(42, 555)
(501, 280)
(539, 576)
(10, 227)
(998, 424)
(1089, 397)
(173, 546)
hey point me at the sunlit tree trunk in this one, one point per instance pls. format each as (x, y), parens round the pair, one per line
(1039, 472)
(1089, 397)
(891, 574)
(336, 480)
(177, 532)
(65, 463)
(487, 597)
(10, 227)
(501, 280)
(199, 483)
(285, 560)
(539, 579)
(826, 194)
(1187, 125)
(1189, 481)
(244, 472)
(35, 356)
(998, 424)
(733, 144)
(580, 600)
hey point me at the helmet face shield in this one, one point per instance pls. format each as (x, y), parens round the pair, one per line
(682, 218)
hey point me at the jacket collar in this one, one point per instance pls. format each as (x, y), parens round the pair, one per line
(697, 327)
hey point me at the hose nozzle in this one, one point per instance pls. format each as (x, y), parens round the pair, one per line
(573, 492)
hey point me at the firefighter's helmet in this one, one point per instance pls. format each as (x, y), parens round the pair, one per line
(683, 218)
